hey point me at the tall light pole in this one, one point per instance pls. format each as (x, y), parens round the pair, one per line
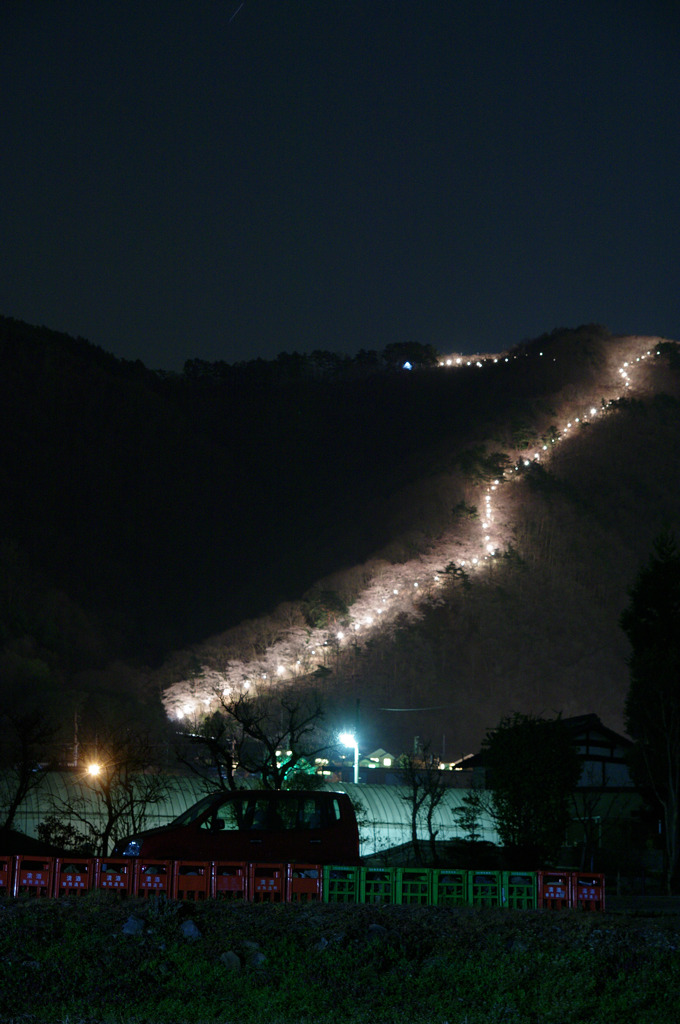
(348, 740)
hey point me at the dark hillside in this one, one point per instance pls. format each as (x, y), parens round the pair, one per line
(172, 506)
(106, 489)
(145, 511)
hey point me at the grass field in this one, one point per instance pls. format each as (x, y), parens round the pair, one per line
(98, 960)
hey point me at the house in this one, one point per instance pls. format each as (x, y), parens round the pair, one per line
(607, 807)
(603, 754)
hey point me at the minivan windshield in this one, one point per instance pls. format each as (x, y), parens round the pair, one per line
(195, 812)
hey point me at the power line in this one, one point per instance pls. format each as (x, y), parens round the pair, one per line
(436, 707)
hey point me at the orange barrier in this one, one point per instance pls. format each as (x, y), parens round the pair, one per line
(33, 876)
(587, 891)
(554, 889)
(229, 880)
(267, 883)
(5, 875)
(115, 874)
(73, 876)
(304, 883)
(191, 880)
(153, 878)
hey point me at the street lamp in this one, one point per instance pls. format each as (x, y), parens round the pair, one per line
(347, 739)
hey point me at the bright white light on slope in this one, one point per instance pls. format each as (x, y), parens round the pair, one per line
(487, 552)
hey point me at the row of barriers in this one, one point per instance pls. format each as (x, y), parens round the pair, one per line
(285, 883)
(520, 890)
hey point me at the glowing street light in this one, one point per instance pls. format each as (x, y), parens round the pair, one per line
(94, 769)
(347, 739)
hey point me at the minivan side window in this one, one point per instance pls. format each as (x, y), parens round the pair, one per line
(274, 812)
(309, 813)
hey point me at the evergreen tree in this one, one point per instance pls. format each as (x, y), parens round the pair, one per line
(532, 769)
(652, 710)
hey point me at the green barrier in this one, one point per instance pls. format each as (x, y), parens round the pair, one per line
(520, 890)
(449, 888)
(379, 885)
(342, 884)
(414, 885)
(484, 888)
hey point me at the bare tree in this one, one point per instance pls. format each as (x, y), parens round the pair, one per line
(268, 733)
(426, 786)
(25, 752)
(596, 808)
(121, 779)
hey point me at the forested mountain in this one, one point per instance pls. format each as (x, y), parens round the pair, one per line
(161, 530)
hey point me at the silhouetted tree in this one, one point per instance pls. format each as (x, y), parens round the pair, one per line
(652, 710)
(532, 769)
(426, 786)
(25, 752)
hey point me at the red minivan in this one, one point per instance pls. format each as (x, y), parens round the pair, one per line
(314, 827)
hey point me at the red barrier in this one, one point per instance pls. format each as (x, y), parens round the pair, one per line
(554, 889)
(73, 876)
(191, 880)
(587, 891)
(6, 875)
(33, 876)
(304, 883)
(153, 878)
(115, 874)
(267, 883)
(229, 880)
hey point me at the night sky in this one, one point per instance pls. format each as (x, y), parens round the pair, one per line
(195, 178)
